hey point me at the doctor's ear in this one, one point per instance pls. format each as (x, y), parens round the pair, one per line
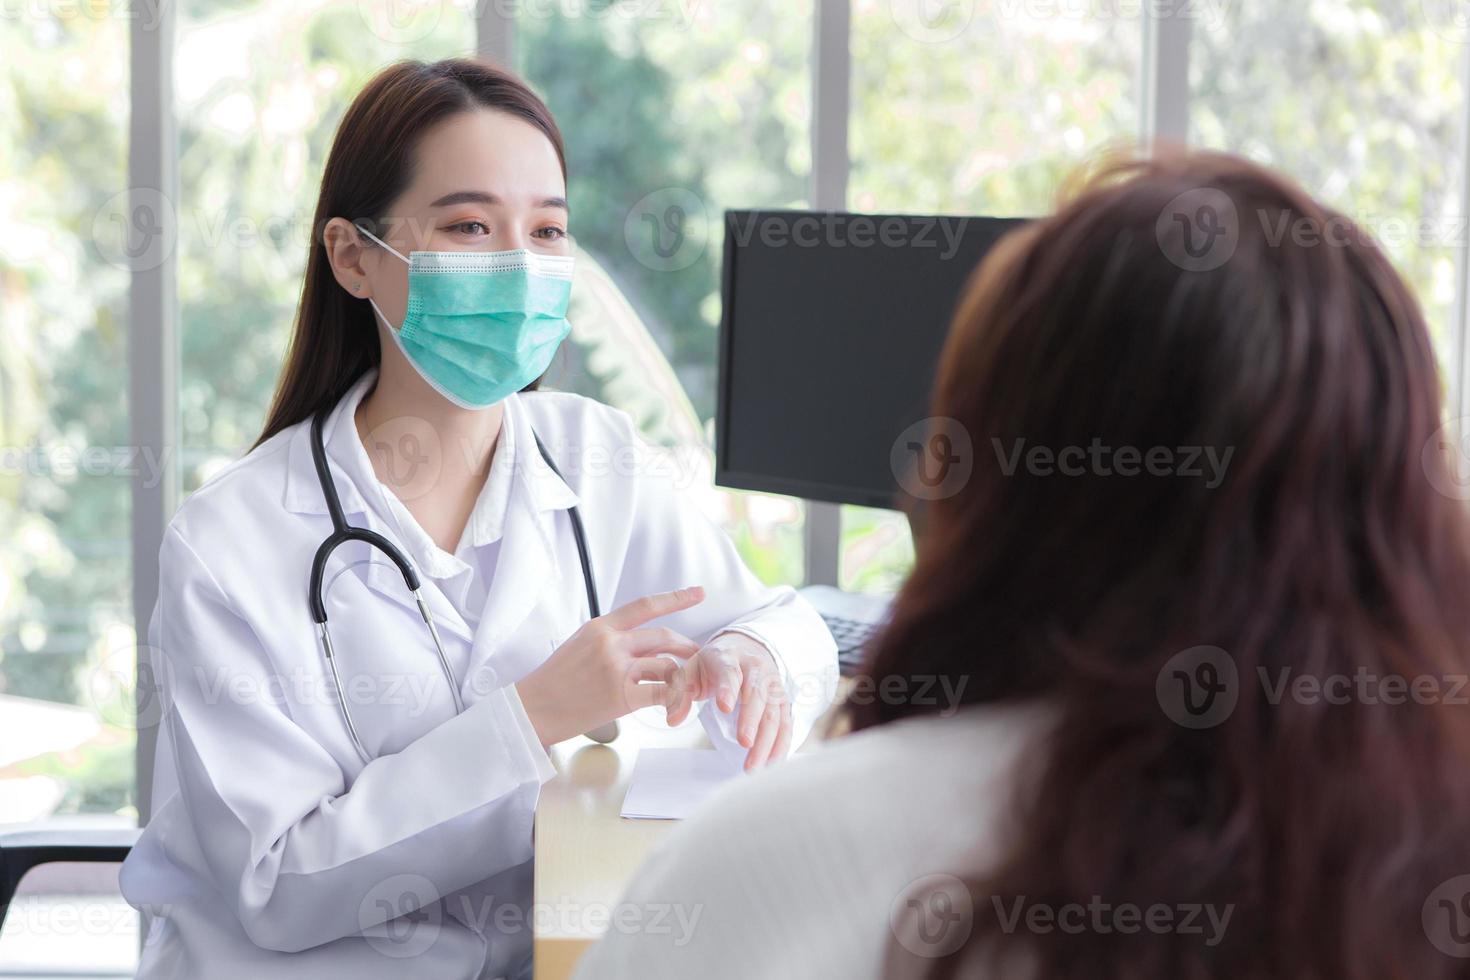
(346, 249)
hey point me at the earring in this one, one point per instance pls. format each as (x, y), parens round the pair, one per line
(357, 287)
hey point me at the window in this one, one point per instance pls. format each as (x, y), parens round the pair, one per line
(66, 629)
(673, 113)
(984, 108)
(1362, 102)
(976, 108)
(259, 89)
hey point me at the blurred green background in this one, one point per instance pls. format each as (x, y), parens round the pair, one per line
(706, 106)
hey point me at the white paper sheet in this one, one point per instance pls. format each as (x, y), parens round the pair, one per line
(668, 784)
(720, 727)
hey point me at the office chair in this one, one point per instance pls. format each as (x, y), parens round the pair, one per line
(22, 850)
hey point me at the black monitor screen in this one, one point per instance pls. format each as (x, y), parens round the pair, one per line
(831, 329)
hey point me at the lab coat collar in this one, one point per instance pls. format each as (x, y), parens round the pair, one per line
(528, 560)
(529, 472)
(487, 518)
(351, 470)
(303, 492)
(518, 471)
(526, 548)
(524, 565)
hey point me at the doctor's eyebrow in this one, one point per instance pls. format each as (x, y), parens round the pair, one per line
(481, 197)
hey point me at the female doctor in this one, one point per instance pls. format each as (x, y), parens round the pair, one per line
(371, 627)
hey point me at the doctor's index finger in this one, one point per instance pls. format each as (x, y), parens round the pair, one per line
(640, 611)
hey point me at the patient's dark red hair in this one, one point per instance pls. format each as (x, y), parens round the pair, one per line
(1325, 549)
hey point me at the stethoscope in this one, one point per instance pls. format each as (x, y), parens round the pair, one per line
(343, 532)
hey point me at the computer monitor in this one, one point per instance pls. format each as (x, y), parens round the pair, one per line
(831, 329)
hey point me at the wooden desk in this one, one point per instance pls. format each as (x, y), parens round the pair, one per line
(586, 852)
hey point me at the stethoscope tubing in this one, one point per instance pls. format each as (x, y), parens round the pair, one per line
(342, 532)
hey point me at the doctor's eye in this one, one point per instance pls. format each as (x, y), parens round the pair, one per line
(474, 228)
(550, 233)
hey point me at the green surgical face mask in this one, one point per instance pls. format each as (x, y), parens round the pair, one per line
(481, 325)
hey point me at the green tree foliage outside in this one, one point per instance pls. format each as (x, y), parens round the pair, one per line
(1360, 99)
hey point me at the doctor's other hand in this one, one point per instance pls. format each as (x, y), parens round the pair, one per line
(598, 674)
(737, 670)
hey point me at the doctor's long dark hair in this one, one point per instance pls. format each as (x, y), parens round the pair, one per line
(370, 164)
(1332, 825)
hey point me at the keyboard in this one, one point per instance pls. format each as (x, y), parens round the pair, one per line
(852, 636)
(852, 618)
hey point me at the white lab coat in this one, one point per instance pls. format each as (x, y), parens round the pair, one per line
(273, 851)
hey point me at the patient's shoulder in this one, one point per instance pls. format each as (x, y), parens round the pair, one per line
(812, 854)
(893, 772)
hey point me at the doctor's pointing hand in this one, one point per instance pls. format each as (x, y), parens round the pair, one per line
(362, 678)
(612, 665)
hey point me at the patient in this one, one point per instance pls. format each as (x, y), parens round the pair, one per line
(1211, 717)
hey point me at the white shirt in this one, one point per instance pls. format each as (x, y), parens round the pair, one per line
(273, 850)
(796, 871)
